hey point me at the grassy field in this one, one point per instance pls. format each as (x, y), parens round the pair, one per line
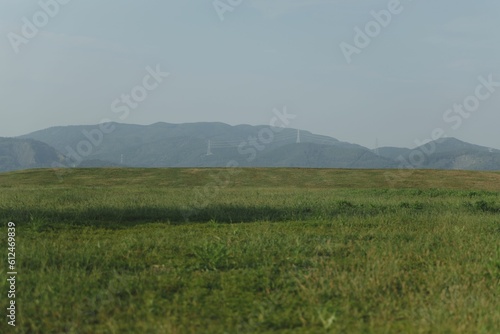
(252, 251)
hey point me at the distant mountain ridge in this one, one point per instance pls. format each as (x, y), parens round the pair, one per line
(206, 145)
(219, 145)
(16, 154)
(445, 153)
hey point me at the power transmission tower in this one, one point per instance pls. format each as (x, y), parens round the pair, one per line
(209, 150)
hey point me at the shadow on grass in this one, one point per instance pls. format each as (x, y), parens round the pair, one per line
(115, 218)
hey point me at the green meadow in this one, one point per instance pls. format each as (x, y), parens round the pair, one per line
(252, 251)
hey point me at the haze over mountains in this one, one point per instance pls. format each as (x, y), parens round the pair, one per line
(26, 153)
(220, 145)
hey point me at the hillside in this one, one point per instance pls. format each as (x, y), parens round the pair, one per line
(26, 153)
(311, 155)
(447, 153)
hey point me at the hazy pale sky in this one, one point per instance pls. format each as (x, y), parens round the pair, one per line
(68, 62)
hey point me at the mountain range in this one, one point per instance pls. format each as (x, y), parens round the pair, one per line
(219, 145)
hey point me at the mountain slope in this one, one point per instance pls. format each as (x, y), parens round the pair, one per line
(18, 154)
(446, 153)
(311, 155)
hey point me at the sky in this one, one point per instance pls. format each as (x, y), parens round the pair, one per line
(375, 73)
